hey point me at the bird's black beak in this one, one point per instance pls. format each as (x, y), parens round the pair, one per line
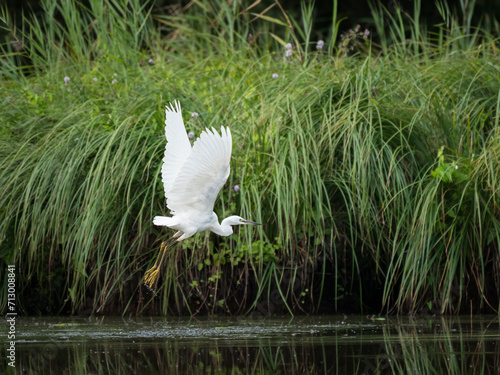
(251, 222)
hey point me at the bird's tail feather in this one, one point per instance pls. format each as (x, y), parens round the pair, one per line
(164, 221)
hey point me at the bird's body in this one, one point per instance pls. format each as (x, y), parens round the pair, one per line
(192, 178)
(187, 226)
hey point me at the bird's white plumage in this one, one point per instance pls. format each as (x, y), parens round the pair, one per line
(178, 147)
(203, 173)
(192, 176)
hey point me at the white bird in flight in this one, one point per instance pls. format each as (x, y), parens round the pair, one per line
(192, 178)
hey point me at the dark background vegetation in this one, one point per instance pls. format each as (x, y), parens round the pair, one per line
(354, 11)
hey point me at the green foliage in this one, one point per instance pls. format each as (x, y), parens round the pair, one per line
(448, 172)
(258, 252)
(372, 167)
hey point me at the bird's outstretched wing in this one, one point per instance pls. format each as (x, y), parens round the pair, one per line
(178, 147)
(203, 174)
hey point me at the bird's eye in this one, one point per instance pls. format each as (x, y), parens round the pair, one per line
(241, 219)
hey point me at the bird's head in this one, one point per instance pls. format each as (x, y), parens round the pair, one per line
(237, 220)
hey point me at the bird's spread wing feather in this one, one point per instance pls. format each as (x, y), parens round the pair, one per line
(203, 173)
(178, 147)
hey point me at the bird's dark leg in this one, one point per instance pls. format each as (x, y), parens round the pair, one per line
(151, 275)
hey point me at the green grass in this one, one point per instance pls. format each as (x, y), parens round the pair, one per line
(374, 167)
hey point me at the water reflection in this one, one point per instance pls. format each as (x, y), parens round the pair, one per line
(307, 345)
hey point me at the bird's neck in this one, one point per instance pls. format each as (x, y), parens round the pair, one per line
(223, 229)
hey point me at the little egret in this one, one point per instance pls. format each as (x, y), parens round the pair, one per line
(192, 177)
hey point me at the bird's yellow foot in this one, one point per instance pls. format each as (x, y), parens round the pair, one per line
(150, 277)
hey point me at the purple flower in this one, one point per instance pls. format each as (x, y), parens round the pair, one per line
(288, 53)
(150, 62)
(250, 38)
(94, 79)
(190, 135)
(366, 33)
(288, 46)
(114, 82)
(77, 139)
(170, 60)
(194, 115)
(66, 80)
(275, 75)
(236, 188)
(320, 44)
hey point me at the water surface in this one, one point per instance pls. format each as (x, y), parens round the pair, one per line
(277, 345)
